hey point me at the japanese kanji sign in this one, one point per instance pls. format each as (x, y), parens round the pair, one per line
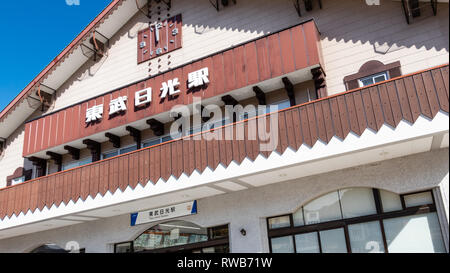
(160, 38)
(142, 97)
(164, 213)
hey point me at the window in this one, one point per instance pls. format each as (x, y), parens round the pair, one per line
(179, 236)
(156, 141)
(119, 152)
(78, 163)
(18, 180)
(383, 76)
(360, 220)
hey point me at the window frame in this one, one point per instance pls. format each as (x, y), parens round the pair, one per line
(187, 247)
(372, 77)
(379, 217)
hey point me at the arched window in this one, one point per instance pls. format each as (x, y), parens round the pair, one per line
(175, 236)
(360, 220)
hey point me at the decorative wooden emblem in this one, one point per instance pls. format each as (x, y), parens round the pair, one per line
(159, 39)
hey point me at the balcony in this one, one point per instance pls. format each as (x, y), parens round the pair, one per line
(421, 95)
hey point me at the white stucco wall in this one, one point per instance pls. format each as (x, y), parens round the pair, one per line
(249, 209)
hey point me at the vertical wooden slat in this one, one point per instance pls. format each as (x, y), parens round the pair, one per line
(297, 127)
(230, 75)
(386, 105)
(322, 133)
(444, 71)
(240, 69)
(94, 180)
(404, 100)
(287, 51)
(146, 167)
(312, 123)
(327, 119)
(305, 126)
(42, 193)
(290, 131)
(59, 184)
(352, 115)
(298, 40)
(421, 94)
(376, 104)
(50, 200)
(263, 59)
(180, 157)
(282, 133)
(26, 198)
(391, 91)
(76, 185)
(412, 98)
(367, 101)
(3, 205)
(336, 119)
(85, 173)
(430, 91)
(343, 113)
(124, 171)
(251, 63)
(11, 200)
(157, 173)
(141, 156)
(440, 90)
(18, 199)
(274, 51)
(204, 154)
(34, 196)
(66, 187)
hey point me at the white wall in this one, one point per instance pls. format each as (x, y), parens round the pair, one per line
(248, 209)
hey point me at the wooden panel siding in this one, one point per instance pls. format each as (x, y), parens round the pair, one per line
(240, 66)
(371, 107)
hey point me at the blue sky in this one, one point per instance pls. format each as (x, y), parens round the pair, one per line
(35, 32)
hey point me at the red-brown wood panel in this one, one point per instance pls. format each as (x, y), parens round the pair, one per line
(147, 170)
(186, 156)
(174, 159)
(367, 101)
(386, 105)
(50, 200)
(191, 167)
(305, 126)
(312, 124)
(240, 68)
(26, 142)
(59, 184)
(251, 63)
(141, 166)
(229, 69)
(287, 51)
(166, 158)
(11, 200)
(310, 31)
(218, 74)
(113, 181)
(327, 119)
(39, 134)
(322, 133)
(67, 133)
(412, 97)
(34, 196)
(282, 133)
(440, 89)
(76, 185)
(94, 181)
(104, 177)
(18, 199)
(66, 187)
(204, 154)
(180, 157)
(3, 203)
(300, 53)
(209, 150)
(157, 172)
(42, 193)
(276, 66)
(53, 130)
(376, 106)
(352, 116)
(430, 90)
(60, 127)
(394, 103)
(123, 172)
(32, 137)
(84, 190)
(362, 120)
(26, 195)
(345, 119)
(47, 132)
(404, 100)
(444, 71)
(421, 94)
(291, 130)
(263, 59)
(297, 127)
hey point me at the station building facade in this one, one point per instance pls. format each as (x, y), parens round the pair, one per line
(235, 126)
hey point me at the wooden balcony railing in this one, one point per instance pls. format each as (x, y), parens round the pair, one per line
(404, 98)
